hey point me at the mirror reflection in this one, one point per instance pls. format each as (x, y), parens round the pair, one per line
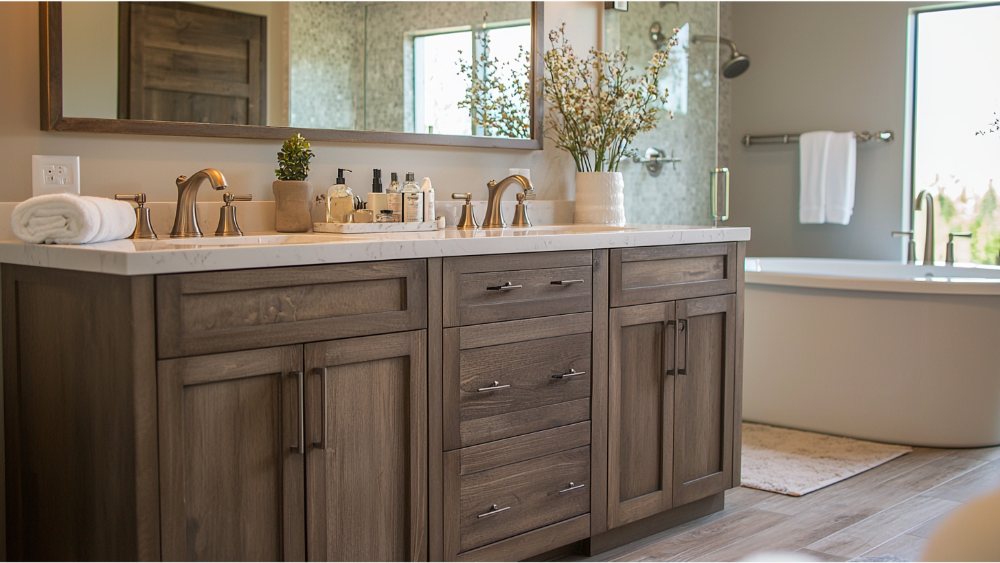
(451, 68)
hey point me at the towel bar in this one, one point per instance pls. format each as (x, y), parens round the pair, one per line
(884, 136)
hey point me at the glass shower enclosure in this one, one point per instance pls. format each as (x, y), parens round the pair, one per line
(667, 182)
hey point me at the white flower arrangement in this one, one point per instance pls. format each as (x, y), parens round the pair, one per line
(597, 105)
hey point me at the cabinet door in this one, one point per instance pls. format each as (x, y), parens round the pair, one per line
(640, 412)
(231, 475)
(703, 398)
(367, 462)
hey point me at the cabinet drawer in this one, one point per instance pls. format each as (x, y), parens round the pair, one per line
(540, 284)
(532, 481)
(666, 273)
(213, 312)
(493, 386)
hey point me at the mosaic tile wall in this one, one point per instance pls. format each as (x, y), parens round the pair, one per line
(677, 197)
(345, 52)
(326, 62)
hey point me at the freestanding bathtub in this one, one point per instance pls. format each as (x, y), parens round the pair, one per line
(874, 350)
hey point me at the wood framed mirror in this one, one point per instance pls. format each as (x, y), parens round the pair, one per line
(260, 83)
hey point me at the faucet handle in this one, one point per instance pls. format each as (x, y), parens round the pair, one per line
(138, 198)
(230, 198)
(911, 247)
(468, 219)
(143, 225)
(228, 227)
(949, 255)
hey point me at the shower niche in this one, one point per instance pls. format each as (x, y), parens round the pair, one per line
(667, 181)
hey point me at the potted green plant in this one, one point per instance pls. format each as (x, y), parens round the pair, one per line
(292, 191)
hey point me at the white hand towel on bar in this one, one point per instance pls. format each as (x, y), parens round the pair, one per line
(812, 176)
(72, 219)
(841, 168)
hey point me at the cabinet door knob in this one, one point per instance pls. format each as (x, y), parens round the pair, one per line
(493, 511)
(572, 487)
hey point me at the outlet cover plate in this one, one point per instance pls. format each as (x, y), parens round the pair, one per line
(55, 175)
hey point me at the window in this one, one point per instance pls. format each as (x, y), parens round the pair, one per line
(438, 87)
(956, 142)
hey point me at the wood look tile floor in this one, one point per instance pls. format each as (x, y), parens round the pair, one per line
(884, 514)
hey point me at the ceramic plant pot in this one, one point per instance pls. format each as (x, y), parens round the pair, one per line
(600, 198)
(292, 206)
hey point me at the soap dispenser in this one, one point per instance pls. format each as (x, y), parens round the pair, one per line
(339, 200)
(413, 201)
(377, 200)
(394, 199)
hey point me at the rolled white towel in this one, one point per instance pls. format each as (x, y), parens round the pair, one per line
(72, 219)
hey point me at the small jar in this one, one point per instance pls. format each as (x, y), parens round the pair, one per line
(385, 217)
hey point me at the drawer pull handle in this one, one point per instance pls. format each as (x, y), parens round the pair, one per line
(493, 511)
(572, 373)
(503, 287)
(495, 387)
(572, 487)
(566, 282)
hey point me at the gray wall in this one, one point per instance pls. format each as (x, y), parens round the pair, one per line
(819, 65)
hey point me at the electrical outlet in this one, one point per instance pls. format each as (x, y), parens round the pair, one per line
(55, 175)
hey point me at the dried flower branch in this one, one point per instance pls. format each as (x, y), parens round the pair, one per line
(597, 105)
(499, 92)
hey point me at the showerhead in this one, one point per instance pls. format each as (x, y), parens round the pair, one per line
(737, 64)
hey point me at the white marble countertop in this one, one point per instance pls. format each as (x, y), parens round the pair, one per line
(263, 250)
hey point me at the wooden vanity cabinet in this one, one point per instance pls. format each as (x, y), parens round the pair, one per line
(461, 408)
(672, 381)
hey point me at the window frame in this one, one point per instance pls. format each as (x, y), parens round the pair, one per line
(910, 125)
(477, 29)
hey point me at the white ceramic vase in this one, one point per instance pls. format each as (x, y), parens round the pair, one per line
(600, 198)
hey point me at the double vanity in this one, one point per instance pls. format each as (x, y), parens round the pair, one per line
(494, 394)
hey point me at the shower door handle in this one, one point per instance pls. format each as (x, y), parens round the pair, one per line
(720, 195)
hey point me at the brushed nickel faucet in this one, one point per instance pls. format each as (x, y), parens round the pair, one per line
(186, 219)
(494, 214)
(929, 230)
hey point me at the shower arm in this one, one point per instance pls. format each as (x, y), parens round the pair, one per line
(714, 39)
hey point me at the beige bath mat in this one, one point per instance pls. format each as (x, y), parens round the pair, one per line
(793, 462)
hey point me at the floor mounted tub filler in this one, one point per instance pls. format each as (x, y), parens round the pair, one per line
(874, 350)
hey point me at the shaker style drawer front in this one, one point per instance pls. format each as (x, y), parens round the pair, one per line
(513, 499)
(213, 312)
(524, 375)
(487, 289)
(499, 388)
(666, 273)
